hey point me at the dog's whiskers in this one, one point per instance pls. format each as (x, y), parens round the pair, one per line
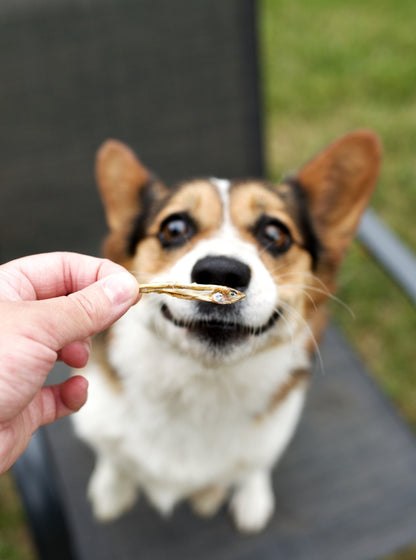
(324, 290)
(305, 289)
(290, 329)
(301, 321)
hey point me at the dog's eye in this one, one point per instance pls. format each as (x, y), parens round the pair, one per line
(176, 230)
(273, 235)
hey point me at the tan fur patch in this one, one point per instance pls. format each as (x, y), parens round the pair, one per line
(119, 176)
(339, 182)
(297, 377)
(201, 201)
(248, 201)
(100, 356)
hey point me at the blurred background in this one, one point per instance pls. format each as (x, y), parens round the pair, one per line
(327, 67)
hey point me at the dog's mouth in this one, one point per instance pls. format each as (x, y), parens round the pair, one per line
(220, 332)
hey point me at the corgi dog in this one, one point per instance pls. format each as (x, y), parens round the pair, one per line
(197, 401)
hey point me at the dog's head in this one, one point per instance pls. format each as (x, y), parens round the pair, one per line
(280, 244)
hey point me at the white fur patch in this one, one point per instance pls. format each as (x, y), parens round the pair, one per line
(223, 187)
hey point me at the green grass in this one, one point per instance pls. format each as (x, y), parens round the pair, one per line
(330, 66)
(15, 539)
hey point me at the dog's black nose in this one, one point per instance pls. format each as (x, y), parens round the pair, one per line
(221, 270)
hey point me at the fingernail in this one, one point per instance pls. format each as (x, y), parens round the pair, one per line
(120, 288)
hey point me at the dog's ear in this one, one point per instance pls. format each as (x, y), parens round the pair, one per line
(338, 183)
(120, 177)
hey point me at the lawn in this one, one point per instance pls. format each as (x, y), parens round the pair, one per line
(329, 66)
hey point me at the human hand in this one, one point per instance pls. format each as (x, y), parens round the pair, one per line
(49, 305)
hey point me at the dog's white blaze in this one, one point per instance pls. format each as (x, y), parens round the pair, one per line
(223, 187)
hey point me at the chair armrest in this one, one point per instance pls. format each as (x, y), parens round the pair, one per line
(390, 252)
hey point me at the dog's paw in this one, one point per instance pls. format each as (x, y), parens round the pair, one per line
(207, 502)
(110, 493)
(252, 504)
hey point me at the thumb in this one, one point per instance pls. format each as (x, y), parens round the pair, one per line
(88, 311)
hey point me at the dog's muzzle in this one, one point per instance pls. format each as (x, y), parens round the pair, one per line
(220, 326)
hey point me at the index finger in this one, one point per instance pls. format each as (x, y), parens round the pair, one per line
(50, 275)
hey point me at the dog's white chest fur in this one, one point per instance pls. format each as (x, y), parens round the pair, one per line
(178, 427)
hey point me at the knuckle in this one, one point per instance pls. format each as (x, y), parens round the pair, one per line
(89, 310)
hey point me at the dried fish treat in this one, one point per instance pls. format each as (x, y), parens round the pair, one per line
(222, 295)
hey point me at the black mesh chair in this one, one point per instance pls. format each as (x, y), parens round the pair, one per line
(178, 82)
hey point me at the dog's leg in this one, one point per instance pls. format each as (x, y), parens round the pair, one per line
(110, 491)
(252, 504)
(208, 501)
